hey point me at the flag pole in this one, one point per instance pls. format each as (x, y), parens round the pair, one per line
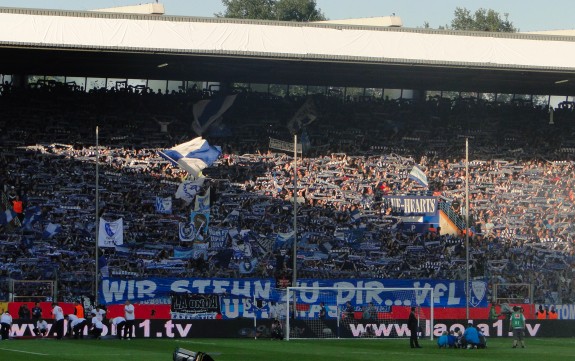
(96, 285)
(294, 248)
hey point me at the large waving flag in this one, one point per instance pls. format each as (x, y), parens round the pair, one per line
(192, 156)
(208, 111)
(111, 234)
(418, 175)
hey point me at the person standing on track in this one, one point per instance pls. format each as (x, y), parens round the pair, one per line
(130, 316)
(413, 326)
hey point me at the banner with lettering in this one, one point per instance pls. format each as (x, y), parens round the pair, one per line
(413, 205)
(188, 305)
(447, 293)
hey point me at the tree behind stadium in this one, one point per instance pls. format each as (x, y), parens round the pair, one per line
(482, 20)
(282, 10)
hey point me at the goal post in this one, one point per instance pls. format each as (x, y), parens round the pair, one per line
(356, 312)
(32, 290)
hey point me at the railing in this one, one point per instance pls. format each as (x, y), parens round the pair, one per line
(451, 214)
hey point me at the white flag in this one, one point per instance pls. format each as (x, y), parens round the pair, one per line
(111, 234)
(187, 190)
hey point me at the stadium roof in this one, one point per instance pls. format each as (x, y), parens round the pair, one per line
(71, 43)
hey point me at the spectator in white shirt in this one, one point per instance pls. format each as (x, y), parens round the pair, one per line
(6, 325)
(58, 327)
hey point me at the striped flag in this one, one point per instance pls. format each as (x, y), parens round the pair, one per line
(418, 175)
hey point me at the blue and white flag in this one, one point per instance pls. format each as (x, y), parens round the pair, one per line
(164, 205)
(7, 216)
(192, 156)
(418, 175)
(111, 234)
(208, 111)
(203, 202)
(51, 230)
(187, 232)
(188, 189)
(284, 240)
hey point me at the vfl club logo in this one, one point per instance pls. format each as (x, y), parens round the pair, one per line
(478, 290)
(111, 229)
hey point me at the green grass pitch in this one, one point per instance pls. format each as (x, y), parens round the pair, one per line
(266, 350)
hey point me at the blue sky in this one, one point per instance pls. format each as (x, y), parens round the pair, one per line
(525, 14)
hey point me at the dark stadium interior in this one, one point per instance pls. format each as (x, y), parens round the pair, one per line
(392, 73)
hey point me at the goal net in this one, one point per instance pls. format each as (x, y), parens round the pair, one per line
(32, 291)
(338, 312)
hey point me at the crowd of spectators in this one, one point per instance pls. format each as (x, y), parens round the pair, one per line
(520, 206)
